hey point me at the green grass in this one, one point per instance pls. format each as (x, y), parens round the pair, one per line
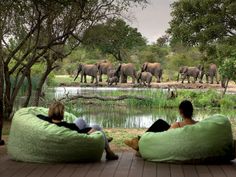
(159, 99)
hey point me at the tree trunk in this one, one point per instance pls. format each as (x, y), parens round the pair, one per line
(29, 92)
(1, 87)
(1, 95)
(226, 83)
(41, 83)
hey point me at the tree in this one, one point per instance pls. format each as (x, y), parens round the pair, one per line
(208, 25)
(114, 37)
(203, 23)
(228, 70)
(33, 31)
(163, 40)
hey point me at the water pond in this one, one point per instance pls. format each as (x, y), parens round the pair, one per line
(116, 115)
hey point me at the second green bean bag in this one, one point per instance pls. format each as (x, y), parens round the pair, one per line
(210, 138)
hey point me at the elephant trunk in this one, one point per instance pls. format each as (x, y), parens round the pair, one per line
(77, 75)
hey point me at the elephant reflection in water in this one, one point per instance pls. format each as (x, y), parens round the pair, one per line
(87, 69)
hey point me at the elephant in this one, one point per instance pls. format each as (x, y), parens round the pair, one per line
(154, 68)
(145, 78)
(187, 72)
(210, 72)
(87, 69)
(112, 80)
(124, 70)
(103, 68)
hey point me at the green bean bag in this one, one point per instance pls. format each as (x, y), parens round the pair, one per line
(34, 140)
(209, 140)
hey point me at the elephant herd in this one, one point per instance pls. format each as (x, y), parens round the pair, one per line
(198, 73)
(148, 71)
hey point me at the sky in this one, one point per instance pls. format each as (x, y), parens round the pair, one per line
(152, 21)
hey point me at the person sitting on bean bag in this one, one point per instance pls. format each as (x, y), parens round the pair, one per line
(185, 111)
(56, 116)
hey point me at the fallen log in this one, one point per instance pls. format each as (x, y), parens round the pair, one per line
(109, 98)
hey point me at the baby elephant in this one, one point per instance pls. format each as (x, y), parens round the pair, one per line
(112, 80)
(145, 78)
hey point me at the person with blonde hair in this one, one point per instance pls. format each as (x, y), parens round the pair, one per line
(56, 116)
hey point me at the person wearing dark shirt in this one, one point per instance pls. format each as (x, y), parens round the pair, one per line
(71, 126)
(56, 116)
(185, 111)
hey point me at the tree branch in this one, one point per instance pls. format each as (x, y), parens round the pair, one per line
(122, 97)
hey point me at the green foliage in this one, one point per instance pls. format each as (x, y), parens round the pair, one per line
(227, 102)
(159, 99)
(114, 37)
(228, 66)
(203, 23)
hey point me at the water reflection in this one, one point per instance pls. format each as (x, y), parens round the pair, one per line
(135, 117)
(116, 116)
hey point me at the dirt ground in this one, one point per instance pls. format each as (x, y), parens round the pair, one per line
(163, 85)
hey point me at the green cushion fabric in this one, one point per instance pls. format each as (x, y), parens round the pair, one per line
(209, 138)
(34, 140)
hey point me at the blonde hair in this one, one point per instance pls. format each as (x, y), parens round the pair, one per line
(56, 111)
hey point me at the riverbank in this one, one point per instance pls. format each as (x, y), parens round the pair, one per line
(68, 81)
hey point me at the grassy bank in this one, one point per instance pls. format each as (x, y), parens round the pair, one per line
(155, 98)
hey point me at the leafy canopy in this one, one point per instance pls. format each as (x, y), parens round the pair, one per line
(203, 23)
(113, 37)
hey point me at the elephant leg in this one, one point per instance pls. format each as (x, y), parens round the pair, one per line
(144, 83)
(96, 80)
(217, 81)
(195, 79)
(212, 77)
(133, 79)
(158, 78)
(92, 79)
(123, 78)
(100, 77)
(188, 77)
(85, 79)
(207, 81)
(183, 79)
(81, 79)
